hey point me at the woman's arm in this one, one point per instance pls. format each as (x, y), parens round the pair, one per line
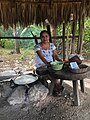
(42, 57)
(55, 55)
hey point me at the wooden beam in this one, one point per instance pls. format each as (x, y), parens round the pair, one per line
(53, 37)
(42, 2)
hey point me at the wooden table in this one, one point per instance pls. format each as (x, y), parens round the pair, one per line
(68, 75)
(65, 74)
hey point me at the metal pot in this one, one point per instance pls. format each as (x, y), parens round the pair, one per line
(25, 79)
(75, 58)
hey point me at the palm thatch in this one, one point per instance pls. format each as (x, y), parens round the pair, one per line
(27, 12)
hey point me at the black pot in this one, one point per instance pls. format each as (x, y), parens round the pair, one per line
(75, 59)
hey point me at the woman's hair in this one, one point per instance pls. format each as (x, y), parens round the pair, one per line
(44, 31)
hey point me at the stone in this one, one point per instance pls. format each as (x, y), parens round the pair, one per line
(5, 89)
(7, 73)
(18, 96)
(37, 92)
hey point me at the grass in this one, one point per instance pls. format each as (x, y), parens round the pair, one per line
(10, 55)
(4, 51)
(13, 60)
(26, 54)
(23, 52)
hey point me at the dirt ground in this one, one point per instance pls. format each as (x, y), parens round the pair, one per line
(52, 108)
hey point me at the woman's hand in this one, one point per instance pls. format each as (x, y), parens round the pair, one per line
(66, 60)
(48, 64)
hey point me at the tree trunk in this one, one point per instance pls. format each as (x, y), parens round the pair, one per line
(17, 42)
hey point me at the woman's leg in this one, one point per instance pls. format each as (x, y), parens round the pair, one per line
(58, 88)
(55, 87)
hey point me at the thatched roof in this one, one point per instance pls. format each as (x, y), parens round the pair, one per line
(27, 12)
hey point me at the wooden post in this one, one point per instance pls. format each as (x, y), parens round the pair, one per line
(76, 93)
(63, 41)
(73, 36)
(53, 31)
(81, 26)
(48, 29)
(82, 85)
(36, 41)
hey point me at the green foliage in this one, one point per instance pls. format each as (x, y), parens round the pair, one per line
(6, 33)
(68, 31)
(86, 45)
(26, 32)
(8, 44)
(25, 53)
(22, 32)
(87, 30)
(59, 30)
(29, 44)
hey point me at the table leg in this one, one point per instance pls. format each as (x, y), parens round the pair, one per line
(61, 82)
(51, 87)
(82, 85)
(76, 93)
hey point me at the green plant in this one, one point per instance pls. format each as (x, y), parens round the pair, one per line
(9, 44)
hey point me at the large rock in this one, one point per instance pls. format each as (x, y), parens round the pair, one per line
(37, 92)
(5, 89)
(18, 96)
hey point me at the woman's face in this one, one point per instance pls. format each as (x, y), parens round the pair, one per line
(45, 37)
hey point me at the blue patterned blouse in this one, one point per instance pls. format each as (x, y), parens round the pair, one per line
(48, 54)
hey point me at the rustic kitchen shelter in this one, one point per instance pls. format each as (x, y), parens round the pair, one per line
(27, 12)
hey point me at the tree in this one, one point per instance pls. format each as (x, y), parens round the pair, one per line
(17, 45)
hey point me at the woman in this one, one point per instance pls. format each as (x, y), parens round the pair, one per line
(46, 53)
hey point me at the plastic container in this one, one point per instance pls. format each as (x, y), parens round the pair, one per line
(56, 65)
